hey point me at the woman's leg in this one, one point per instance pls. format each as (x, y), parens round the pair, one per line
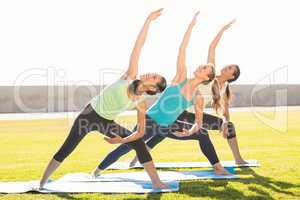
(77, 133)
(205, 144)
(151, 143)
(121, 150)
(112, 157)
(211, 122)
(215, 123)
(142, 153)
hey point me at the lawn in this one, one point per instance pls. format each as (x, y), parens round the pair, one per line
(26, 147)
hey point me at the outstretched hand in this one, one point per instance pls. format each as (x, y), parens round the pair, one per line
(115, 140)
(227, 26)
(195, 18)
(155, 14)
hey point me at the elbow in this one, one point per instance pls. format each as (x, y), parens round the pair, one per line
(140, 134)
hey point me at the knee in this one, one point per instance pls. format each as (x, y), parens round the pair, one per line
(202, 134)
(231, 131)
(142, 151)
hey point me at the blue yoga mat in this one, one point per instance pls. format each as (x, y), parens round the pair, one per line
(161, 165)
(83, 187)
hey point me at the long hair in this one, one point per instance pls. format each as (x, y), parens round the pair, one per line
(216, 97)
(160, 86)
(236, 74)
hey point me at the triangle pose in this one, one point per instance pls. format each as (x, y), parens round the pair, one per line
(99, 115)
(168, 116)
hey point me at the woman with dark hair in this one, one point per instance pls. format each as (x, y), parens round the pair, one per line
(162, 115)
(219, 94)
(221, 99)
(99, 115)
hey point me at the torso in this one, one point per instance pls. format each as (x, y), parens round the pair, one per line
(172, 102)
(206, 92)
(113, 100)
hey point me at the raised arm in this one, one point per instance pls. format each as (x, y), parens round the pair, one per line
(214, 43)
(132, 70)
(181, 65)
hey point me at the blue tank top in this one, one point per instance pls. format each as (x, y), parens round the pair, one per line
(169, 106)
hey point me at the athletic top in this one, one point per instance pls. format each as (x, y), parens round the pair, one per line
(169, 105)
(205, 91)
(113, 100)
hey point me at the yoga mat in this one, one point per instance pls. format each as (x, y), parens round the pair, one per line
(125, 165)
(128, 182)
(142, 176)
(83, 187)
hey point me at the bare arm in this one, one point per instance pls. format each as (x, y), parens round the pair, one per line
(199, 107)
(214, 43)
(226, 118)
(141, 107)
(181, 72)
(132, 70)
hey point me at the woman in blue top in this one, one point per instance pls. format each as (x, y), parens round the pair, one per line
(221, 95)
(161, 117)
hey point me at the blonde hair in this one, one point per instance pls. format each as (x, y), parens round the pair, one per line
(216, 96)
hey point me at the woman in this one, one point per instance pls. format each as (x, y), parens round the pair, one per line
(162, 115)
(221, 94)
(100, 113)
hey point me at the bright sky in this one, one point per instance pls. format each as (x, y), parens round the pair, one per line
(73, 41)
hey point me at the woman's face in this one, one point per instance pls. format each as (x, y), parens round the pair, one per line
(228, 71)
(203, 72)
(150, 81)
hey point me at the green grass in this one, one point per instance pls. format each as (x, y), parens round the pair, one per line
(27, 146)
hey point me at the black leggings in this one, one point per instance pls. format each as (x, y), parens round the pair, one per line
(210, 122)
(88, 120)
(154, 134)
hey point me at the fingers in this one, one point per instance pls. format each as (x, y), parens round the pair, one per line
(196, 14)
(227, 26)
(155, 14)
(159, 10)
(232, 21)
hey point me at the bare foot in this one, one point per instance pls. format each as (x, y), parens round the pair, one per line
(95, 173)
(159, 185)
(241, 162)
(133, 162)
(220, 170)
(41, 185)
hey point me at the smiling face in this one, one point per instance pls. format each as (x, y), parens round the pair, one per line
(230, 72)
(153, 83)
(205, 72)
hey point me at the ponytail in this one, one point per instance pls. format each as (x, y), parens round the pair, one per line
(227, 92)
(215, 96)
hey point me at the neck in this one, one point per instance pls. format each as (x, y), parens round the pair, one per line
(195, 82)
(221, 79)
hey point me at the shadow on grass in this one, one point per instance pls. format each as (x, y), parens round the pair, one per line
(261, 187)
(219, 189)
